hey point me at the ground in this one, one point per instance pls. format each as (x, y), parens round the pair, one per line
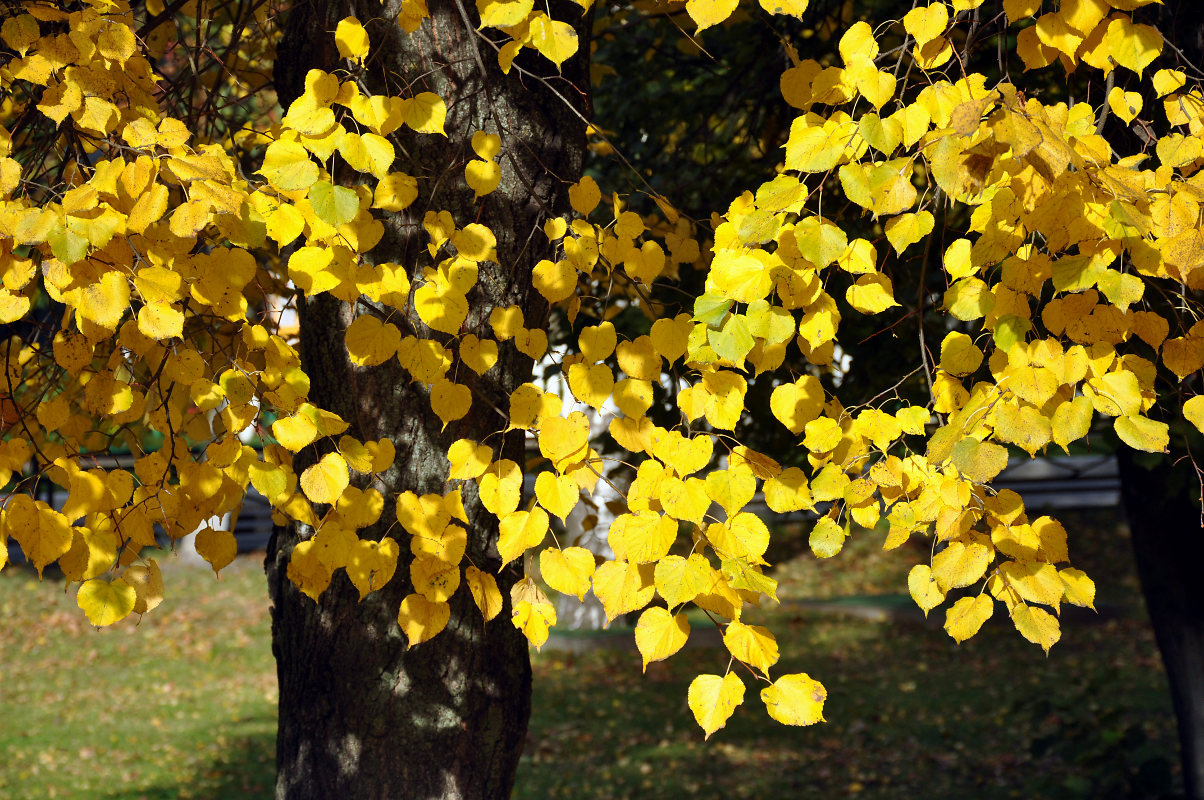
(183, 704)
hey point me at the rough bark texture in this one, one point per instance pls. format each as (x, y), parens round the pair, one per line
(1164, 516)
(362, 716)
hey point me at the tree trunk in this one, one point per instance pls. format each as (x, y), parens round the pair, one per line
(1164, 517)
(362, 716)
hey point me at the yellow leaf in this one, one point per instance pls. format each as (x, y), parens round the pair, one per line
(218, 547)
(555, 280)
(959, 354)
(670, 337)
(482, 176)
(872, 294)
(564, 441)
(147, 582)
(927, 22)
(622, 587)
(368, 152)
(1166, 81)
(567, 571)
(1034, 581)
(92, 552)
(679, 580)
(788, 492)
(1079, 589)
(1037, 625)
(1126, 105)
(160, 321)
(796, 404)
(1071, 421)
(485, 594)
(19, 32)
(426, 113)
(712, 699)
(479, 354)
(924, 589)
(44, 534)
(1053, 31)
(105, 301)
(659, 634)
(106, 602)
(1023, 426)
(822, 435)
(597, 342)
(506, 322)
(420, 618)
(370, 341)
(826, 539)
(633, 397)
(519, 531)
(270, 480)
(287, 166)
(351, 39)
(1131, 46)
(584, 196)
(450, 401)
(395, 192)
(295, 432)
(371, 564)
(557, 41)
(1183, 355)
(1193, 411)
(307, 571)
(500, 487)
(817, 148)
(967, 615)
(503, 13)
(533, 614)
(960, 564)
(794, 8)
(731, 489)
(752, 644)
(933, 54)
(643, 537)
(591, 383)
(795, 699)
(468, 459)
(532, 343)
(557, 493)
(979, 461)
(907, 229)
(1143, 433)
(325, 481)
(441, 306)
(743, 536)
(433, 578)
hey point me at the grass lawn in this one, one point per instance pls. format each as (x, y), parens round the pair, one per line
(183, 705)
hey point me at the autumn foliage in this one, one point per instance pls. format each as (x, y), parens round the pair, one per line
(151, 250)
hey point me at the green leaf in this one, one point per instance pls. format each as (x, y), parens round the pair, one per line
(710, 309)
(733, 341)
(334, 205)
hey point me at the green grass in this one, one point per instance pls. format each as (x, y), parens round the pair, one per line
(184, 704)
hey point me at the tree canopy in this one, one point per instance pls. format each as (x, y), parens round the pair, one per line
(1025, 172)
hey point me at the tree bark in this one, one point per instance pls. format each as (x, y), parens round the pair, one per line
(362, 716)
(1164, 516)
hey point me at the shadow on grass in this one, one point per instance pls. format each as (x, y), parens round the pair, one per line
(246, 770)
(910, 714)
